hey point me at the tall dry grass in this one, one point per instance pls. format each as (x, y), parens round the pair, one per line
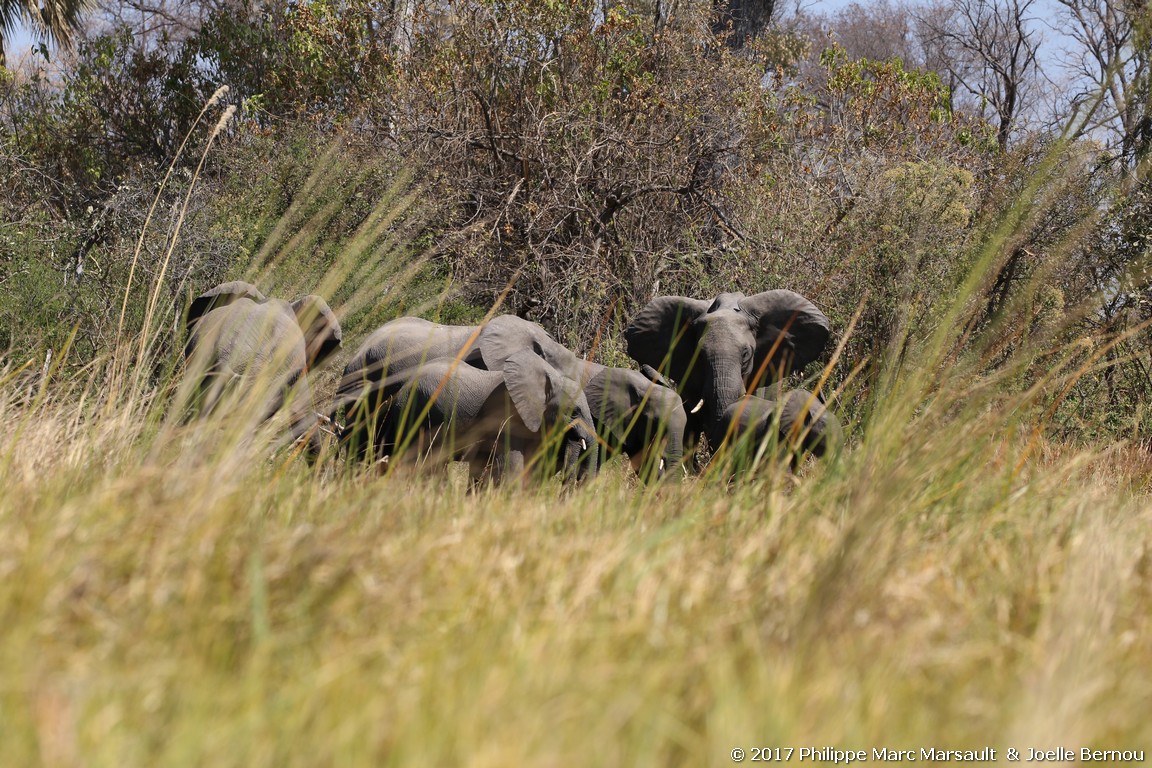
(179, 593)
(167, 604)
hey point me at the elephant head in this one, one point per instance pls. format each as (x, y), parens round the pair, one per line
(506, 336)
(321, 329)
(716, 350)
(548, 401)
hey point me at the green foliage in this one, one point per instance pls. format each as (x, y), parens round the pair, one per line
(320, 60)
(121, 108)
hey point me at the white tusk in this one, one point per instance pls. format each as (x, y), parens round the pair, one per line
(583, 444)
(699, 405)
(661, 465)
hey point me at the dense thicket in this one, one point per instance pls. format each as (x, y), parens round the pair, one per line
(586, 156)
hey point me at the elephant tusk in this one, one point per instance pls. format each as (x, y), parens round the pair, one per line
(698, 406)
(583, 444)
(661, 465)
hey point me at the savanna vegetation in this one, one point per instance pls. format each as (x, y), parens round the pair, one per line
(967, 201)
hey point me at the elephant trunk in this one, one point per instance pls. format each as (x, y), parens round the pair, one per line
(579, 462)
(674, 449)
(724, 388)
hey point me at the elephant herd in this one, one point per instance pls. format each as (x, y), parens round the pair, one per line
(507, 398)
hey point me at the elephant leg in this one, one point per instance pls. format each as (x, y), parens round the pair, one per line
(637, 459)
(208, 394)
(411, 455)
(478, 464)
(368, 429)
(509, 463)
(516, 465)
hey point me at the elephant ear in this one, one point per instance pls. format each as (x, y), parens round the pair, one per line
(619, 392)
(656, 377)
(533, 385)
(320, 327)
(220, 296)
(602, 396)
(507, 335)
(789, 328)
(819, 428)
(799, 407)
(661, 335)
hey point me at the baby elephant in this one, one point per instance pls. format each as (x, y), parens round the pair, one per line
(525, 416)
(639, 418)
(798, 422)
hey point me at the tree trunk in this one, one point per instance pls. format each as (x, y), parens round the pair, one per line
(741, 20)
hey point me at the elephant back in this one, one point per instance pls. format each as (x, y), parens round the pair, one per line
(220, 296)
(750, 413)
(456, 388)
(407, 342)
(796, 414)
(809, 418)
(248, 339)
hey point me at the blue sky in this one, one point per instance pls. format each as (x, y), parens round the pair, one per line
(17, 43)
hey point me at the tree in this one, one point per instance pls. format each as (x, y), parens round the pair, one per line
(56, 20)
(741, 20)
(1113, 63)
(151, 20)
(989, 50)
(878, 31)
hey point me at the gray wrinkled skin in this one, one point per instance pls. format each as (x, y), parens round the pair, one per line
(798, 423)
(251, 353)
(500, 422)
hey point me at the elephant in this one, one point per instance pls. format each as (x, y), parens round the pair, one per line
(387, 358)
(637, 417)
(798, 421)
(508, 419)
(236, 335)
(717, 351)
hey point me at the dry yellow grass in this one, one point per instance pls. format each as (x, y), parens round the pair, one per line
(171, 595)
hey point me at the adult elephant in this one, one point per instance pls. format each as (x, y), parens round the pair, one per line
(637, 417)
(255, 351)
(524, 417)
(387, 359)
(798, 422)
(716, 351)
